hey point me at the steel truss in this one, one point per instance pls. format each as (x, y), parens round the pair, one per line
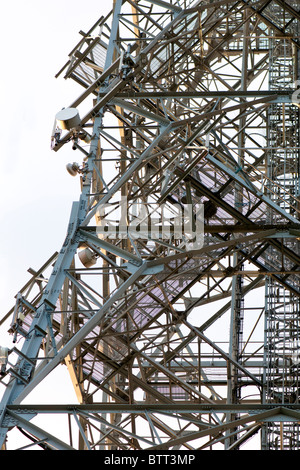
(188, 105)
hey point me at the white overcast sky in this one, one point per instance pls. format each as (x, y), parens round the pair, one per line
(36, 192)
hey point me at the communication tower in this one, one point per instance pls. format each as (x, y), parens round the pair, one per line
(173, 302)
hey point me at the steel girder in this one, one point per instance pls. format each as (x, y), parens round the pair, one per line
(177, 111)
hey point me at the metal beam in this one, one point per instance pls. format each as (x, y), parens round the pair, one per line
(52, 442)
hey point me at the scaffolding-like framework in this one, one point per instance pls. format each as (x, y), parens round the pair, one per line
(173, 302)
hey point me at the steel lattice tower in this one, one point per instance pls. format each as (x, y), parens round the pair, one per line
(189, 111)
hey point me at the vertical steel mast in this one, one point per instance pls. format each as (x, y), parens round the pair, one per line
(173, 303)
(282, 305)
